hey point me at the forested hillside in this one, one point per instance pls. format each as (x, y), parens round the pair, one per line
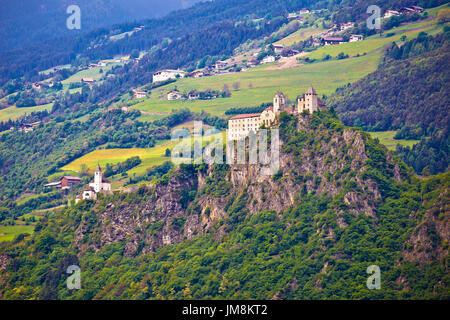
(236, 234)
(409, 92)
(96, 44)
(36, 21)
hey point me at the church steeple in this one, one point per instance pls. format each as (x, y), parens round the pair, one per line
(278, 101)
(311, 91)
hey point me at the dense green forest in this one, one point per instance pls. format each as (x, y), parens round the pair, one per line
(28, 61)
(27, 16)
(409, 92)
(285, 255)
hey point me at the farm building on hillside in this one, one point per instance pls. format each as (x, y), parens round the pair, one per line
(411, 10)
(220, 65)
(252, 63)
(27, 127)
(332, 40)
(268, 59)
(88, 80)
(173, 95)
(390, 13)
(139, 94)
(168, 74)
(356, 37)
(66, 182)
(346, 26)
(194, 95)
(277, 48)
(197, 74)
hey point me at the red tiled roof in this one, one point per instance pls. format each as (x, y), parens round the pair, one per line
(332, 39)
(269, 109)
(71, 178)
(248, 115)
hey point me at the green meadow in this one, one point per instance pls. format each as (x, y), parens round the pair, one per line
(13, 112)
(8, 233)
(149, 156)
(93, 73)
(374, 42)
(300, 35)
(258, 85)
(387, 138)
(325, 77)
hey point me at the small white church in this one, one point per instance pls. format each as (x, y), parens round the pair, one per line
(99, 184)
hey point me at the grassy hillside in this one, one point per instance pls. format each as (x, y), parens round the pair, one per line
(264, 83)
(387, 138)
(13, 112)
(408, 93)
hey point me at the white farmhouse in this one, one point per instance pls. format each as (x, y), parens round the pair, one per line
(268, 59)
(356, 37)
(167, 74)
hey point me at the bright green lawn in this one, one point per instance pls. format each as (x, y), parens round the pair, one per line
(13, 112)
(149, 156)
(7, 233)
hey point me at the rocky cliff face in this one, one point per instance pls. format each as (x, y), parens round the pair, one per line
(320, 160)
(431, 237)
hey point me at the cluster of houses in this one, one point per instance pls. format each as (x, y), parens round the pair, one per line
(42, 85)
(27, 127)
(99, 184)
(331, 36)
(241, 125)
(192, 95)
(404, 10)
(139, 94)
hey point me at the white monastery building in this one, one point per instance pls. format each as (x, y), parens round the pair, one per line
(240, 125)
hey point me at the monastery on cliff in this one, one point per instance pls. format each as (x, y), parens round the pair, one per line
(240, 125)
